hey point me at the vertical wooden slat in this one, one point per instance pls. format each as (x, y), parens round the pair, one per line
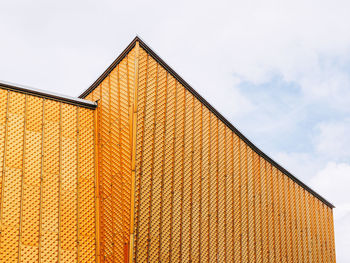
(265, 214)
(187, 180)
(4, 168)
(244, 202)
(251, 198)
(59, 182)
(331, 234)
(157, 159)
(133, 149)
(178, 167)
(291, 244)
(257, 208)
(205, 161)
(237, 200)
(196, 211)
(213, 189)
(77, 181)
(221, 195)
(271, 212)
(326, 231)
(41, 180)
(143, 79)
(163, 178)
(22, 181)
(282, 222)
(168, 172)
(229, 197)
(277, 213)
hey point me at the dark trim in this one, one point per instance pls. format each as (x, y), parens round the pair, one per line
(45, 94)
(207, 104)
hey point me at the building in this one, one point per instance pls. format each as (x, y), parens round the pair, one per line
(141, 168)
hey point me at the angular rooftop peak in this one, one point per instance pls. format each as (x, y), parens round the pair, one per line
(161, 62)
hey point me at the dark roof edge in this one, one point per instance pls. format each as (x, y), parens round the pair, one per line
(49, 95)
(206, 103)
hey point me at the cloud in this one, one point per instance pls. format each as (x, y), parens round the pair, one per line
(333, 181)
(333, 140)
(303, 165)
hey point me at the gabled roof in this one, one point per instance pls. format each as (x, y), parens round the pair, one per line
(201, 99)
(49, 95)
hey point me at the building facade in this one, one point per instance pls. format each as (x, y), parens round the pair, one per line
(141, 168)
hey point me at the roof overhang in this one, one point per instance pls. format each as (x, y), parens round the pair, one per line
(49, 95)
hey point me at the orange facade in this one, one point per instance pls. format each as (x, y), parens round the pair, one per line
(47, 180)
(153, 174)
(204, 195)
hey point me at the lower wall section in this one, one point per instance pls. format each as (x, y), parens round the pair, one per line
(47, 181)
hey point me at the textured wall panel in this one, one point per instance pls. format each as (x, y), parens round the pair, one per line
(203, 195)
(40, 190)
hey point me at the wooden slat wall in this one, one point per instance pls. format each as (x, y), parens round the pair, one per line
(47, 180)
(203, 195)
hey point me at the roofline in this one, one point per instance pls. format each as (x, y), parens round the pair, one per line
(49, 95)
(206, 103)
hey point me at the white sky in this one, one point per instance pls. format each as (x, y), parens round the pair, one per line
(279, 70)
